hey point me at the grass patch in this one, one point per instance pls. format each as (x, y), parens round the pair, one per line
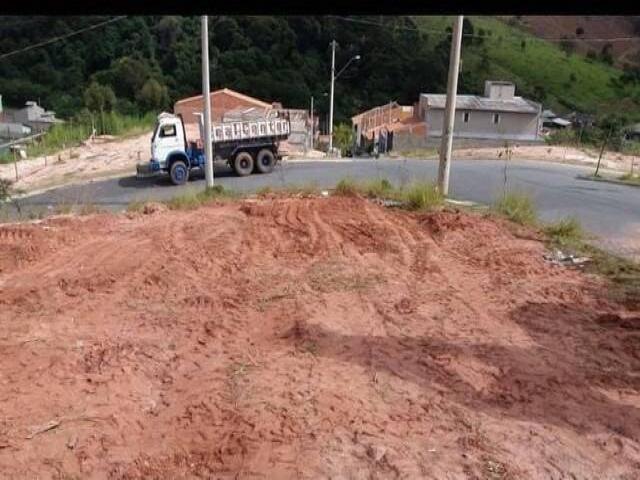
(346, 188)
(89, 209)
(568, 236)
(418, 195)
(305, 189)
(266, 190)
(70, 134)
(517, 207)
(421, 196)
(380, 188)
(193, 199)
(566, 231)
(135, 206)
(418, 153)
(630, 178)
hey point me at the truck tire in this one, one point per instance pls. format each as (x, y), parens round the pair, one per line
(265, 161)
(243, 164)
(179, 172)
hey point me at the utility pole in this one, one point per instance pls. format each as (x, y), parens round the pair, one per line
(450, 108)
(311, 122)
(206, 98)
(333, 71)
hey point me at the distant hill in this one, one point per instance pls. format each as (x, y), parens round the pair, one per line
(144, 63)
(585, 27)
(548, 72)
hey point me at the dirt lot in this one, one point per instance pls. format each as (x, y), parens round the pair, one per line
(308, 338)
(559, 154)
(96, 160)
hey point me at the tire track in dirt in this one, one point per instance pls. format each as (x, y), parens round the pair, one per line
(309, 338)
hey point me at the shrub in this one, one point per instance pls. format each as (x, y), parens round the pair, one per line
(517, 207)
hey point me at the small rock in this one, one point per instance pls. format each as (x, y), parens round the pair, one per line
(72, 442)
(376, 452)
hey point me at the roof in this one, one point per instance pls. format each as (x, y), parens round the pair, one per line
(475, 102)
(561, 122)
(233, 93)
(393, 104)
(635, 128)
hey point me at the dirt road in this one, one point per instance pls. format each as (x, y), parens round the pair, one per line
(308, 338)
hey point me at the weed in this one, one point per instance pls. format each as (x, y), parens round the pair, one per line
(567, 231)
(193, 199)
(305, 189)
(517, 207)
(381, 188)
(63, 209)
(135, 206)
(346, 188)
(421, 196)
(630, 178)
(89, 209)
(266, 190)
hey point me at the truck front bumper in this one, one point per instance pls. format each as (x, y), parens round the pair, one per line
(148, 169)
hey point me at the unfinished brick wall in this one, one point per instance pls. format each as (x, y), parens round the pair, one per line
(221, 101)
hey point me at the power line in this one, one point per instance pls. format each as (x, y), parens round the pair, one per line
(475, 35)
(61, 37)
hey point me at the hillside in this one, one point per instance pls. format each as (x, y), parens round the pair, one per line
(589, 27)
(144, 64)
(541, 70)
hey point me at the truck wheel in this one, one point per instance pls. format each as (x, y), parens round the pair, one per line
(265, 161)
(243, 164)
(179, 173)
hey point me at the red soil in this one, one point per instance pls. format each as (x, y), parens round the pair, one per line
(308, 338)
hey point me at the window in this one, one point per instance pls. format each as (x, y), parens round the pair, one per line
(465, 117)
(168, 131)
(496, 118)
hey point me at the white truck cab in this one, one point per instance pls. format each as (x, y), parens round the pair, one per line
(168, 139)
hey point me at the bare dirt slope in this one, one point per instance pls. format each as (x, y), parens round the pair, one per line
(308, 338)
(595, 26)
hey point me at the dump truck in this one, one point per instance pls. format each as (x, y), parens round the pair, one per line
(247, 146)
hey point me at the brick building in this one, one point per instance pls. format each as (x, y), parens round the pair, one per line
(222, 101)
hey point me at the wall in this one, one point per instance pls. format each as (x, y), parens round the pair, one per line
(513, 126)
(221, 102)
(405, 140)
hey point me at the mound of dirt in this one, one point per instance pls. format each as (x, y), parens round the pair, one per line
(308, 338)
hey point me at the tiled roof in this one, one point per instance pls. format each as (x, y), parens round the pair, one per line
(475, 102)
(233, 93)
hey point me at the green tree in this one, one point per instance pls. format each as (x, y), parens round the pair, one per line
(153, 96)
(99, 98)
(343, 137)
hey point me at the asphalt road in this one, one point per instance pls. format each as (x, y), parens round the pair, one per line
(611, 212)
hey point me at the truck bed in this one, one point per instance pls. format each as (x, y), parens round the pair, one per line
(276, 128)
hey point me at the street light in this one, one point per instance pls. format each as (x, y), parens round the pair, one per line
(333, 79)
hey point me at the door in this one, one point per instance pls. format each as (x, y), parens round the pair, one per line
(169, 139)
